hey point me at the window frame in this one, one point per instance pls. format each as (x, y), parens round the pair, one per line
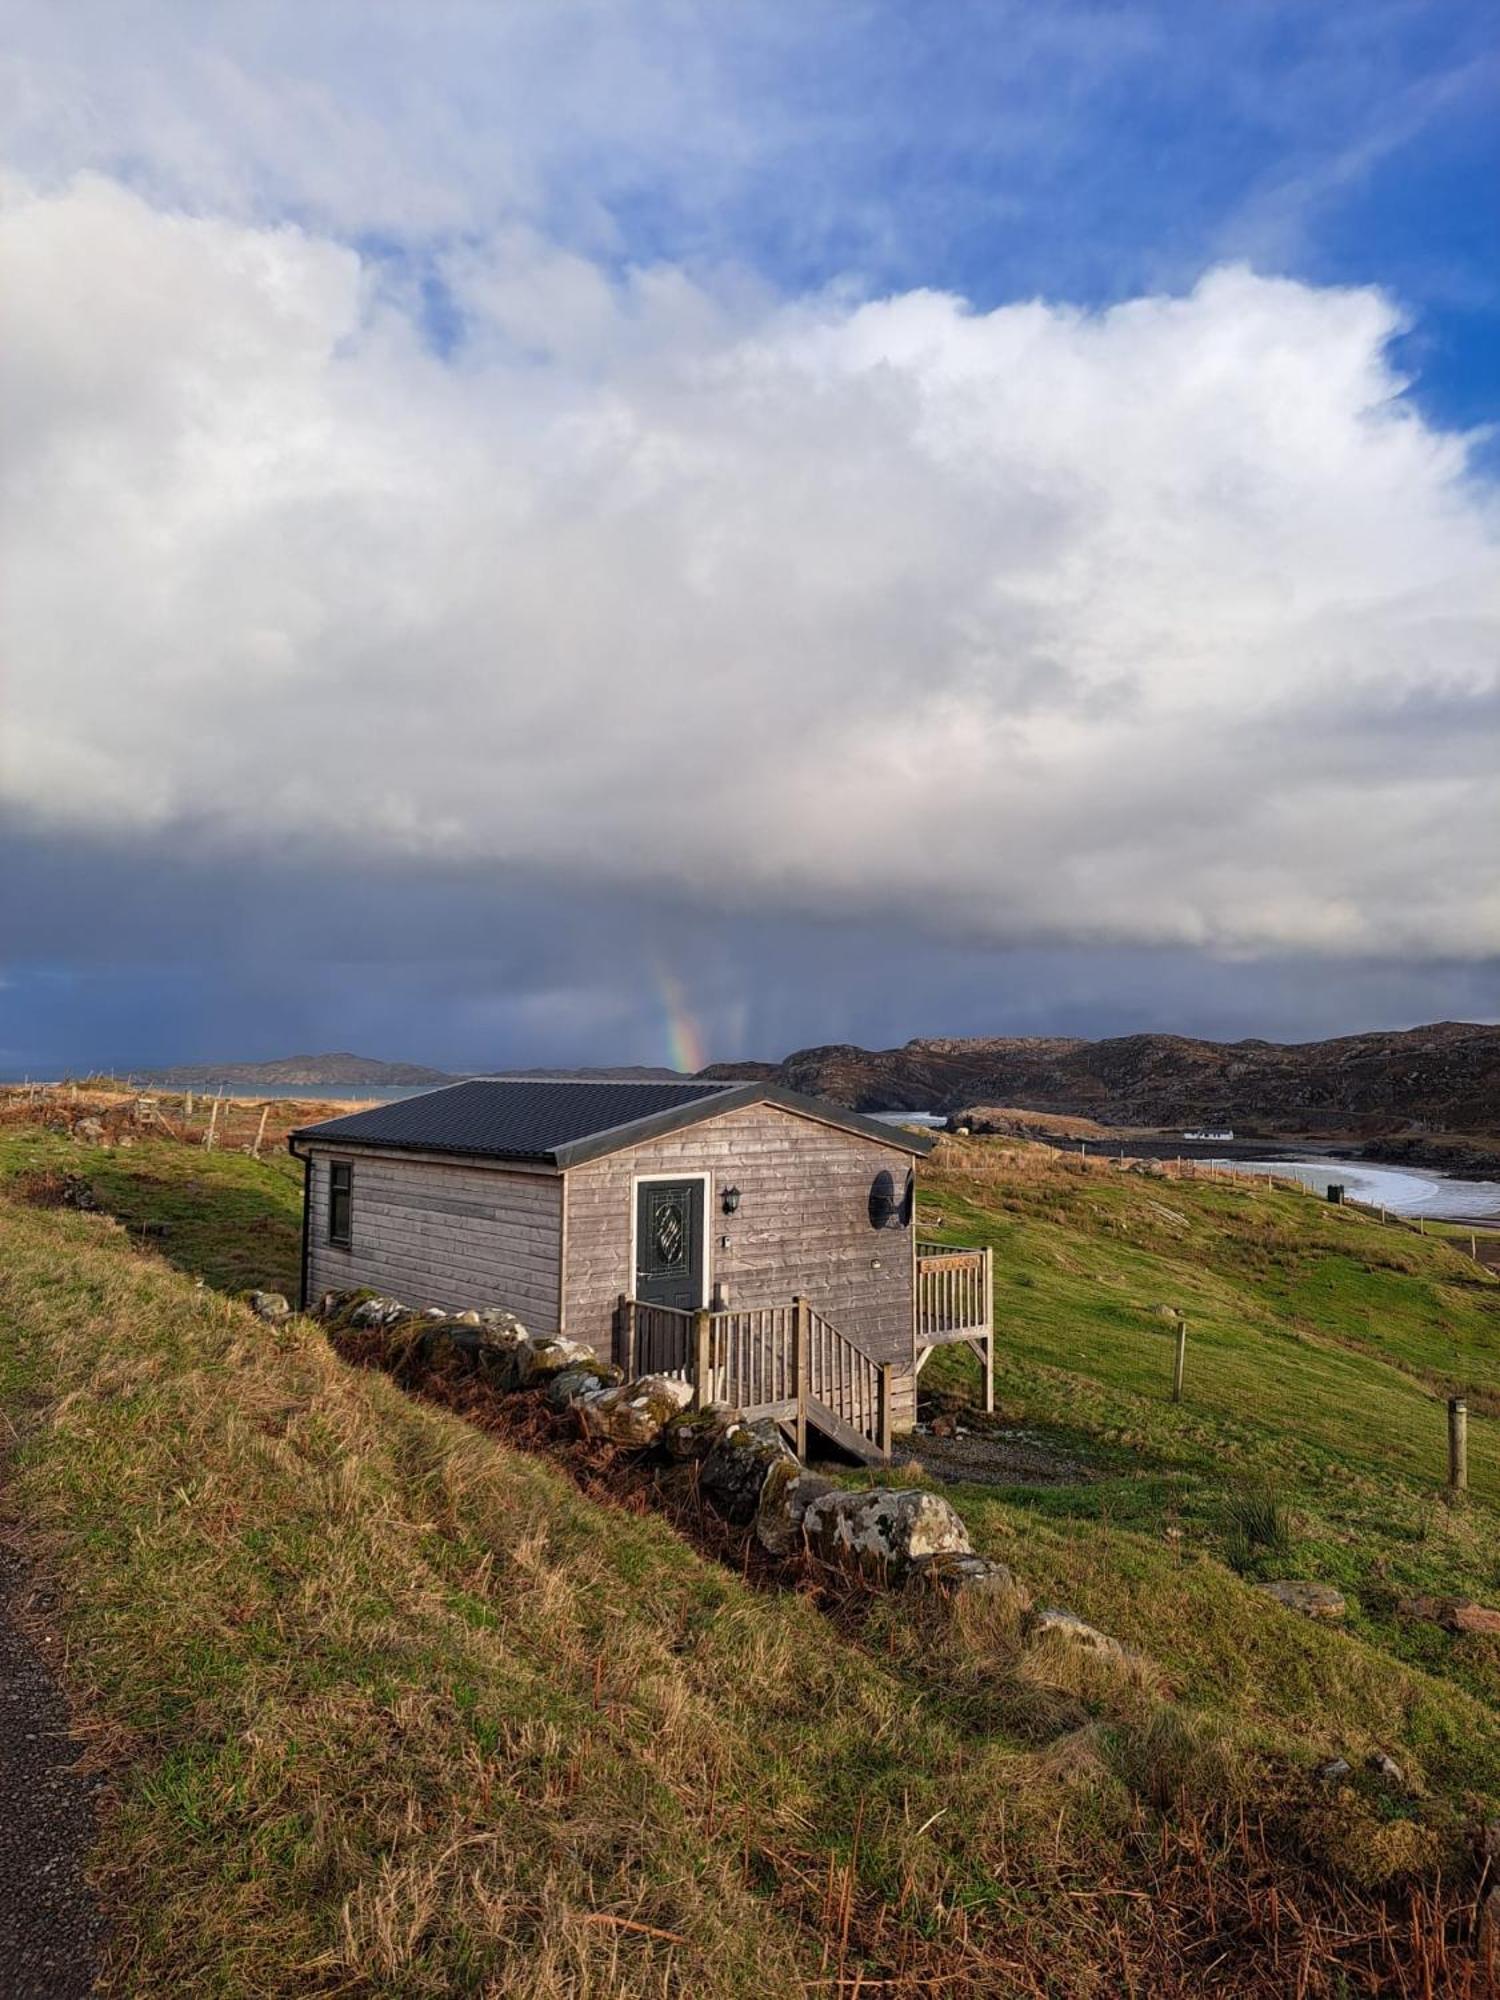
(341, 1183)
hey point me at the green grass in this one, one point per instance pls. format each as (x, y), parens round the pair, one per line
(1321, 1348)
(231, 1220)
(391, 1708)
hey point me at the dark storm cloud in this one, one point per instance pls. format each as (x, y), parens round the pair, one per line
(144, 952)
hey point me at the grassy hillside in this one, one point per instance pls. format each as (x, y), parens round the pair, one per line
(391, 1708)
(1322, 1346)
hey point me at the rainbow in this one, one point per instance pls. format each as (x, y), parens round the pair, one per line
(685, 1049)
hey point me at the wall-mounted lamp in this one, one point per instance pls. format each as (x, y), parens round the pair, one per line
(731, 1200)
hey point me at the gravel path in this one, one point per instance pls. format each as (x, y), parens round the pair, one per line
(995, 1457)
(49, 1932)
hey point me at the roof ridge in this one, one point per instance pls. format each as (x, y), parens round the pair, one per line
(636, 1082)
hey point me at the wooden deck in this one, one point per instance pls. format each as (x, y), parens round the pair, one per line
(792, 1364)
(956, 1301)
(786, 1362)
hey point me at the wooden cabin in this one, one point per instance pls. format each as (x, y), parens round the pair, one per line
(757, 1242)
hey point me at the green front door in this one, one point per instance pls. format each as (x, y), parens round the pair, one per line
(669, 1243)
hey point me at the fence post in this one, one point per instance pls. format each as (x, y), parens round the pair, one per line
(1458, 1444)
(702, 1358)
(625, 1335)
(265, 1112)
(1179, 1360)
(800, 1330)
(887, 1422)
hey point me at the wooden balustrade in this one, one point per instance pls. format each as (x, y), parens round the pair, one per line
(956, 1302)
(955, 1293)
(785, 1361)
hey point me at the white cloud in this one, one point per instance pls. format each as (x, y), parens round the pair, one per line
(1172, 624)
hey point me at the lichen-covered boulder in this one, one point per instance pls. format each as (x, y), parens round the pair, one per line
(444, 1344)
(377, 1310)
(635, 1413)
(693, 1434)
(957, 1573)
(565, 1388)
(1313, 1600)
(502, 1356)
(537, 1361)
(785, 1496)
(736, 1468)
(883, 1531)
(271, 1306)
(496, 1320)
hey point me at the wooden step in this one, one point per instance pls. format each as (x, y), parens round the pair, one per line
(843, 1434)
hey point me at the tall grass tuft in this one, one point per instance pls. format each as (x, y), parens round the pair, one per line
(1256, 1525)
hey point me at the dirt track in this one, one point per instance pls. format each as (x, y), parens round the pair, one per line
(49, 1930)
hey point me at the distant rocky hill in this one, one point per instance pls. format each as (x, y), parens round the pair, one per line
(1445, 1078)
(332, 1069)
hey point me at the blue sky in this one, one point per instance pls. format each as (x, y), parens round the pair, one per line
(1012, 487)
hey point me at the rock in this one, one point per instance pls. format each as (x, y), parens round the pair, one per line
(955, 1574)
(567, 1387)
(635, 1413)
(448, 1346)
(470, 1318)
(498, 1320)
(1313, 1600)
(785, 1496)
(269, 1305)
(1454, 1614)
(883, 1530)
(89, 1132)
(944, 1426)
(1385, 1768)
(736, 1468)
(1335, 1771)
(538, 1361)
(501, 1356)
(377, 1311)
(1069, 1626)
(694, 1433)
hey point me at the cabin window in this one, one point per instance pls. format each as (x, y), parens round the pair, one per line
(340, 1202)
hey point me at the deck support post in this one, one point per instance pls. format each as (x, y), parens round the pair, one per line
(887, 1413)
(702, 1358)
(801, 1327)
(989, 1336)
(625, 1335)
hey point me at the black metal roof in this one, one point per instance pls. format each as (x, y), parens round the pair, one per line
(559, 1123)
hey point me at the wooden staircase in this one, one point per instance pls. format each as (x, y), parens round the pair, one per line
(786, 1362)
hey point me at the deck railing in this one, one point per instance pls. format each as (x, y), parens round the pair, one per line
(785, 1361)
(955, 1293)
(847, 1381)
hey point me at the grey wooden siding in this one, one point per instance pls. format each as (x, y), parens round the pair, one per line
(803, 1226)
(437, 1235)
